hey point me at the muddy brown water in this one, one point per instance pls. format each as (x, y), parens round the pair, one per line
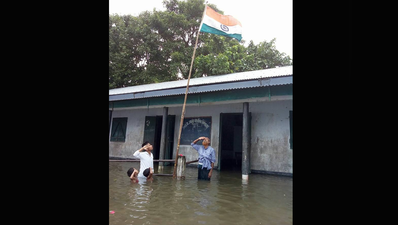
(226, 199)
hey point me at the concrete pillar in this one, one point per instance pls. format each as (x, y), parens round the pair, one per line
(181, 167)
(245, 142)
(163, 138)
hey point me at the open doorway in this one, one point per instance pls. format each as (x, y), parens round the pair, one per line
(169, 139)
(231, 141)
(153, 132)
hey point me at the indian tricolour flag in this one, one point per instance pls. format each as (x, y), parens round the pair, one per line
(216, 23)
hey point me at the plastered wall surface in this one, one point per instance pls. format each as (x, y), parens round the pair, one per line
(270, 147)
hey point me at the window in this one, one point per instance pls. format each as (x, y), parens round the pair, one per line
(291, 128)
(119, 129)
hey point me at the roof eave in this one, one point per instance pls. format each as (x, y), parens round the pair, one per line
(261, 82)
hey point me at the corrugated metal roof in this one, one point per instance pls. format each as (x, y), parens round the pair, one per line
(260, 82)
(135, 91)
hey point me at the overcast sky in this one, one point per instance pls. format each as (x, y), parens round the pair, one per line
(261, 20)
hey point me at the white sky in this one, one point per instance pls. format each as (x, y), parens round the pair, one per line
(261, 20)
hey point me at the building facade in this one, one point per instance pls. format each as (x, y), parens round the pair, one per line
(260, 138)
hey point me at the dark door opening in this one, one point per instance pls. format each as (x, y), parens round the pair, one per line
(153, 132)
(169, 139)
(231, 141)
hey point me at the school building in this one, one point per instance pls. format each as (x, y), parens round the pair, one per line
(248, 116)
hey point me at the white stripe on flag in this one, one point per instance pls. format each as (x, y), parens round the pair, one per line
(217, 25)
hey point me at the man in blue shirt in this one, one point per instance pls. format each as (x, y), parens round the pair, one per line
(207, 158)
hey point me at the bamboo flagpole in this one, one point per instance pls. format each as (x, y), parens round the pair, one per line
(185, 99)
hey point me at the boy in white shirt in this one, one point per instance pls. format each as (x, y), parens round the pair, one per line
(146, 158)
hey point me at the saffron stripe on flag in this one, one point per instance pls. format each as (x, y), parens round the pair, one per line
(227, 20)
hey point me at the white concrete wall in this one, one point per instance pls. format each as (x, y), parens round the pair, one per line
(134, 131)
(270, 134)
(270, 131)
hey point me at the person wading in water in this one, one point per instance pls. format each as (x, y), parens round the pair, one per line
(146, 158)
(207, 158)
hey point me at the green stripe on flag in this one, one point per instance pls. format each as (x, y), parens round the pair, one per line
(212, 30)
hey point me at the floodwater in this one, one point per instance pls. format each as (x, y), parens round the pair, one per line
(226, 199)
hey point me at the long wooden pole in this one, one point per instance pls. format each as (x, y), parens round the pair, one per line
(185, 99)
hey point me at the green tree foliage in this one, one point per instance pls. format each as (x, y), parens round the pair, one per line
(157, 46)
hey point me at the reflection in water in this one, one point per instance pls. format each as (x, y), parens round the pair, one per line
(226, 199)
